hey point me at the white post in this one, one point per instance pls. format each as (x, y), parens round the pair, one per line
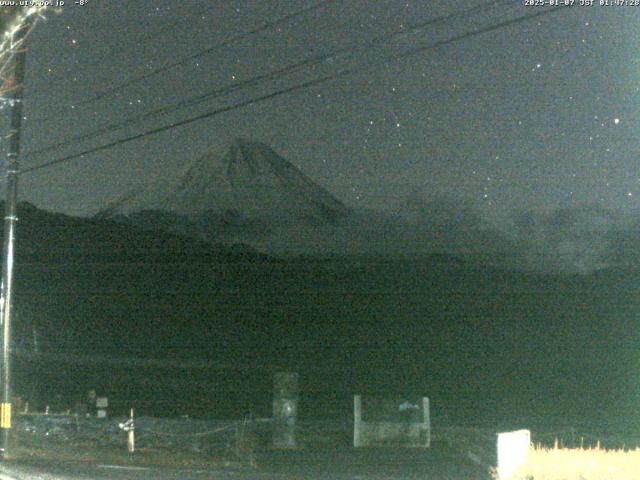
(357, 418)
(513, 448)
(131, 437)
(427, 419)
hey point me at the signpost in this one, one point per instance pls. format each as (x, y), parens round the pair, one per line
(285, 409)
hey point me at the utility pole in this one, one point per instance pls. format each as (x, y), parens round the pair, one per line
(15, 96)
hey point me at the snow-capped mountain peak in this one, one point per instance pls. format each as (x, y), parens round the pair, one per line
(250, 179)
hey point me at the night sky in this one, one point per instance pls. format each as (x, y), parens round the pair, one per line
(537, 114)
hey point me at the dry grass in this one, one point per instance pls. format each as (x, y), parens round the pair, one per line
(580, 464)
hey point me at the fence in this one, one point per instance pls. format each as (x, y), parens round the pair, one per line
(386, 421)
(227, 437)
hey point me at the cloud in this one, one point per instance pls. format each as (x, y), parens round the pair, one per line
(578, 239)
(421, 226)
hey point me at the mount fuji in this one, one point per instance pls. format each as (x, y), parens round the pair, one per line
(247, 193)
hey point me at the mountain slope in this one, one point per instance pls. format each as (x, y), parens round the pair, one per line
(250, 182)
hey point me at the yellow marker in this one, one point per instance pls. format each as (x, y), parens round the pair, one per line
(5, 415)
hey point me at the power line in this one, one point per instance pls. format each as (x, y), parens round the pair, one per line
(284, 91)
(316, 60)
(118, 49)
(188, 102)
(480, 31)
(304, 85)
(264, 26)
(185, 122)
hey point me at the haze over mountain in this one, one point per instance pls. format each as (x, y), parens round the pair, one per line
(252, 195)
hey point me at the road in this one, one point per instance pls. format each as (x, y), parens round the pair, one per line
(367, 464)
(84, 470)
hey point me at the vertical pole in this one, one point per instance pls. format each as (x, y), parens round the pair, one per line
(427, 420)
(131, 435)
(285, 409)
(357, 419)
(6, 294)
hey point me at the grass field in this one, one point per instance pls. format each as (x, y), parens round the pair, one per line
(579, 464)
